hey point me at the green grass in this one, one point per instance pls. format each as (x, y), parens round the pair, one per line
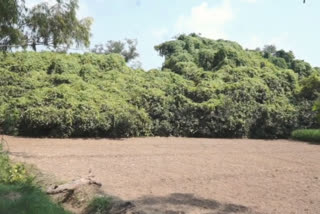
(99, 205)
(309, 135)
(25, 199)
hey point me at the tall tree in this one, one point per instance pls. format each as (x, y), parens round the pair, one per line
(128, 48)
(270, 49)
(57, 25)
(54, 26)
(11, 23)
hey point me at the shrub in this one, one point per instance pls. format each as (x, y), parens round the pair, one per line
(206, 88)
(11, 173)
(309, 135)
(99, 205)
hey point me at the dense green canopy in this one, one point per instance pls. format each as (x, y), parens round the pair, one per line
(206, 88)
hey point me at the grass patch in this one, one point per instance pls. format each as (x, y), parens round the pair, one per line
(26, 198)
(99, 205)
(309, 135)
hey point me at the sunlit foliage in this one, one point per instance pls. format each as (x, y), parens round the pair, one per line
(206, 88)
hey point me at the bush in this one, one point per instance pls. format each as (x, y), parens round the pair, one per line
(309, 135)
(206, 88)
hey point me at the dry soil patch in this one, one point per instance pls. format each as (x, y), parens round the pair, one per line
(186, 175)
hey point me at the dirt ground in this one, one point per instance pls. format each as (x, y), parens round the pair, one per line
(186, 175)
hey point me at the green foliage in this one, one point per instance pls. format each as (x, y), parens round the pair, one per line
(11, 173)
(99, 205)
(258, 97)
(309, 135)
(71, 95)
(11, 21)
(206, 88)
(316, 108)
(284, 59)
(57, 25)
(54, 26)
(287, 56)
(310, 87)
(26, 198)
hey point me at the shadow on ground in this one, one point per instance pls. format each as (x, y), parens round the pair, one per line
(178, 203)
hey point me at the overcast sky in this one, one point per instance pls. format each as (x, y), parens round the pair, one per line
(288, 24)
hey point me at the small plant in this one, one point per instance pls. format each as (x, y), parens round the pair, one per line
(99, 205)
(11, 173)
(309, 135)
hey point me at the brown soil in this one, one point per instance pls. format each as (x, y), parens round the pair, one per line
(186, 175)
